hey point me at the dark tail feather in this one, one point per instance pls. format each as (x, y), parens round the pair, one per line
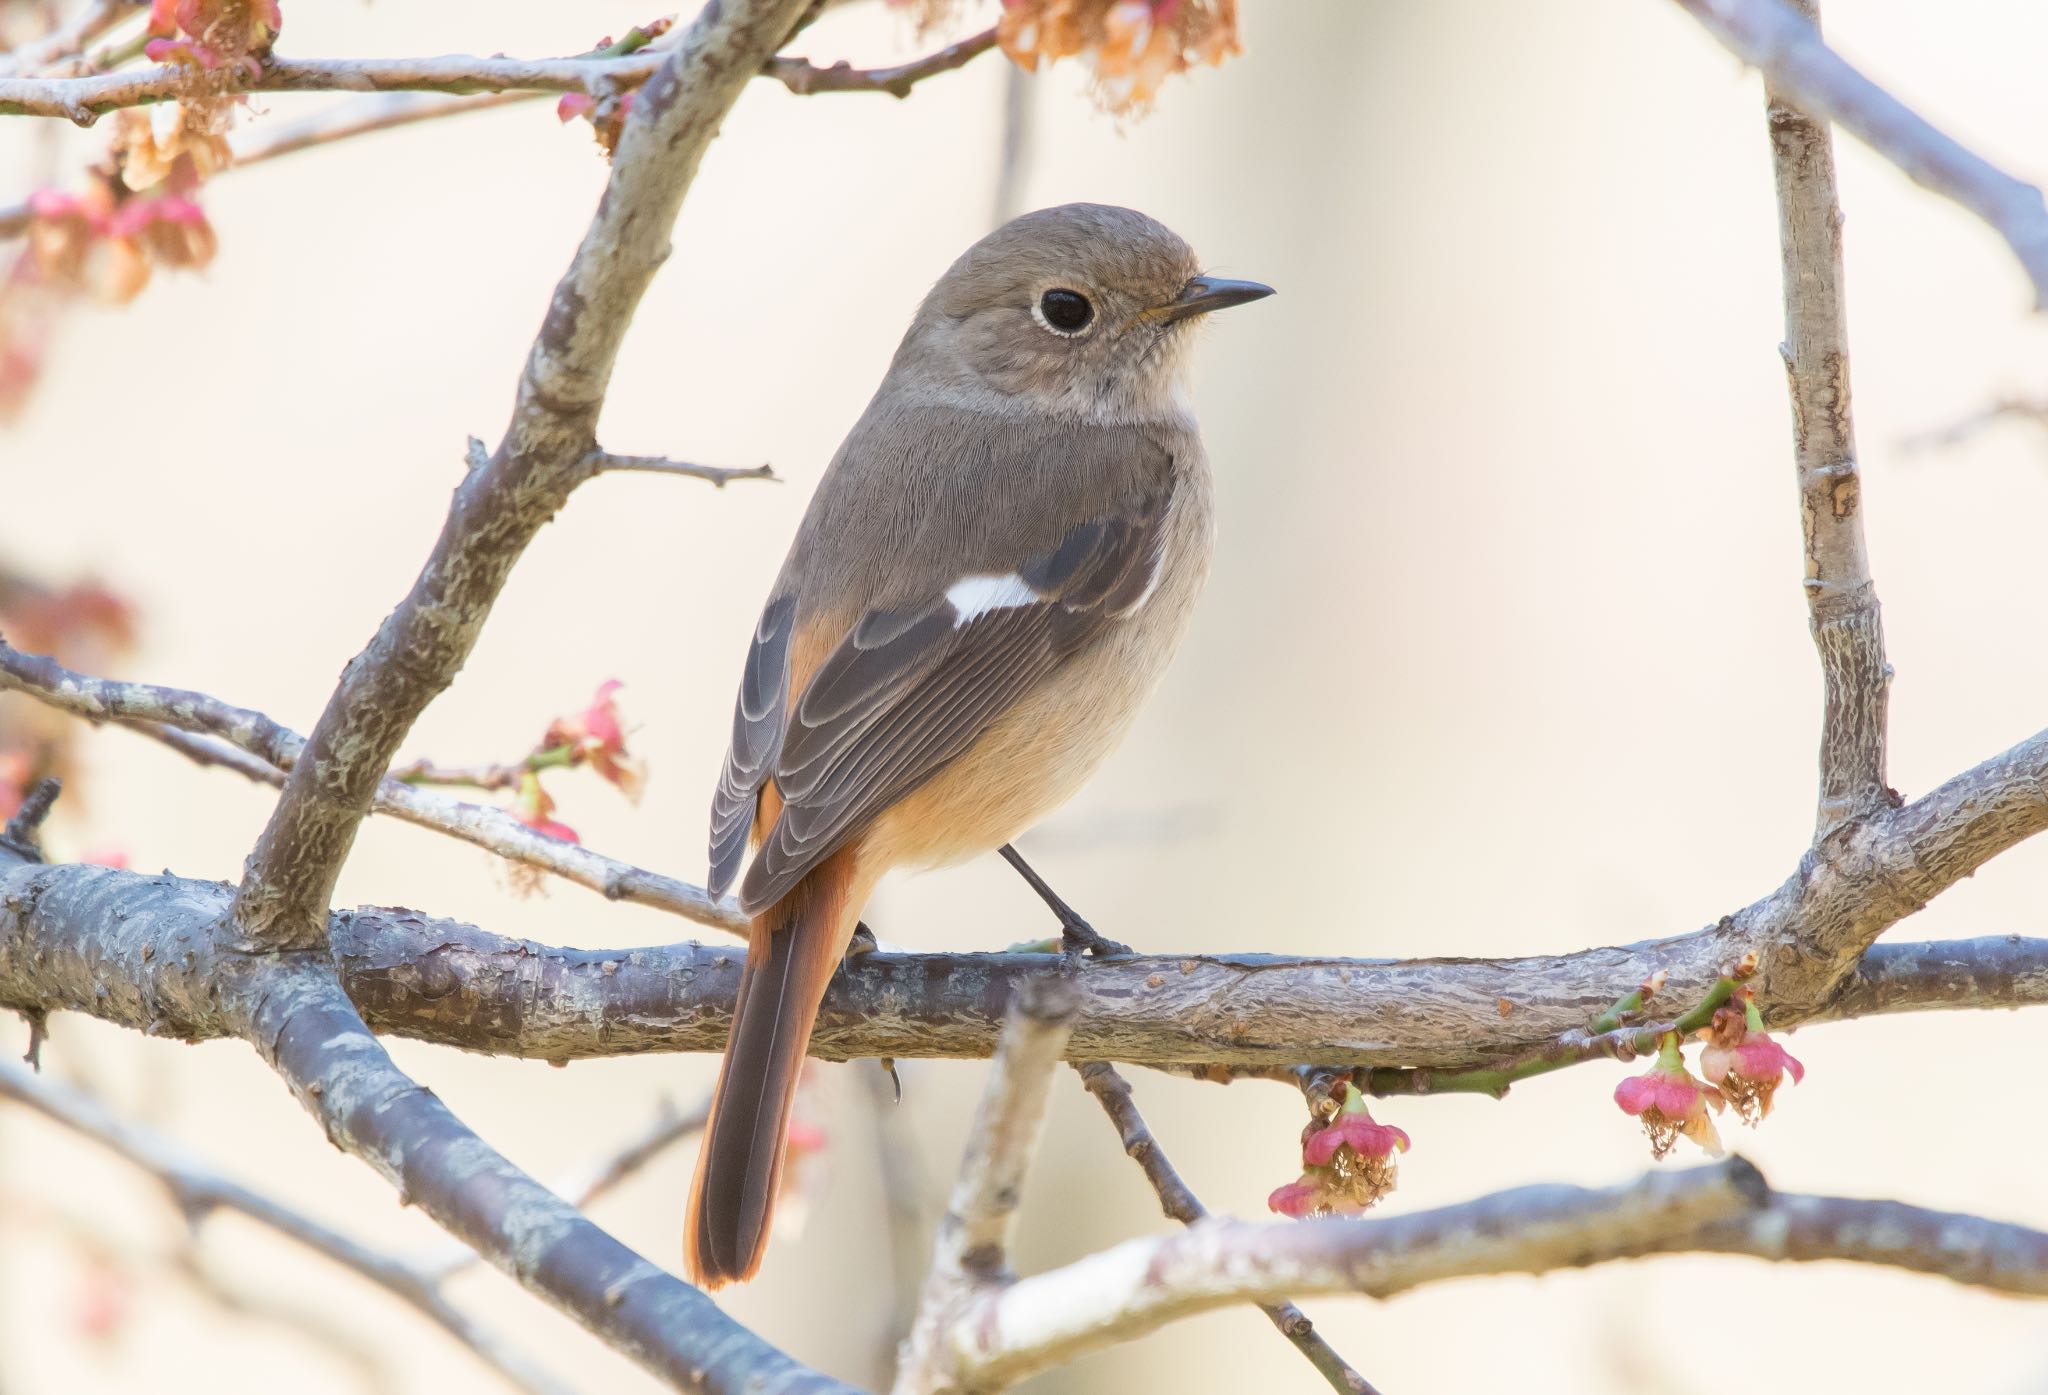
(793, 950)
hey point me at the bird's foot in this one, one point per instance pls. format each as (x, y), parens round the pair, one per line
(1078, 938)
(860, 946)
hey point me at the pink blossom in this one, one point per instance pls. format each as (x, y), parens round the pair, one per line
(596, 735)
(1746, 1062)
(1357, 1132)
(1347, 1164)
(1670, 1102)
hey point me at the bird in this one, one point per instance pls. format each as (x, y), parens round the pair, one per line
(992, 574)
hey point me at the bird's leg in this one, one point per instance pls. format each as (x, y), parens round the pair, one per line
(1075, 933)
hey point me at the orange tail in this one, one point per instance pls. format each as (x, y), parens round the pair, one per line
(793, 950)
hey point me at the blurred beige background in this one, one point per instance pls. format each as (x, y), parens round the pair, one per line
(1504, 651)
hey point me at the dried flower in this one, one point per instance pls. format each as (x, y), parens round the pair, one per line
(1671, 1102)
(213, 34)
(1745, 1062)
(607, 117)
(1135, 45)
(106, 239)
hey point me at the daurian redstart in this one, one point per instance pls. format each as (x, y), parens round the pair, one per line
(990, 578)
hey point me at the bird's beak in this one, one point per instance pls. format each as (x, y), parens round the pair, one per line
(1206, 293)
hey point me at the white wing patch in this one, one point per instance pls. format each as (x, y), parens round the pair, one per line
(975, 596)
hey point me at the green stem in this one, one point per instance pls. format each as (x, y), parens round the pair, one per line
(1596, 1045)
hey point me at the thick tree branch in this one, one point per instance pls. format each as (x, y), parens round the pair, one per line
(970, 1250)
(1180, 1203)
(1808, 935)
(1841, 598)
(498, 509)
(199, 1190)
(310, 1034)
(1775, 37)
(1009, 1332)
(262, 749)
(138, 951)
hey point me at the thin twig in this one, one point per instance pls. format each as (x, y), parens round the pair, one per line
(807, 79)
(23, 830)
(264, 750)
(1775, 37)
(604, 461)
(1841, 598)
(1180, 1203)
(198, 1191)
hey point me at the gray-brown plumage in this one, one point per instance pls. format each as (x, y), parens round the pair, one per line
(994, 571)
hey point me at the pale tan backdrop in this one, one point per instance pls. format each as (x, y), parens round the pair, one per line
(1505, 649)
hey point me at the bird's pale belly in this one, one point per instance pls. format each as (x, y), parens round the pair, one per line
(1039, 753)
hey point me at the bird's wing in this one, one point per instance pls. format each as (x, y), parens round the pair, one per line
(758, 718)
(908, 688)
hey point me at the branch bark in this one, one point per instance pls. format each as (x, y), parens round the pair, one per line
(138, 951)
(545, 453)
(1775, 37)
(1841, 598)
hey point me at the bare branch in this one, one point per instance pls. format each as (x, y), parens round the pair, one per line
(302, 1024)
(719, 475)
(970, 1252)
(498, 509)
(1775, 37)
(1841, 598)
(261, 749)
(83, 99)
(1005, 1334)
(133, 950)
(1180, 1203)
(199, 1190)
(805, 78)
(1968, 1249)
(595, 1178)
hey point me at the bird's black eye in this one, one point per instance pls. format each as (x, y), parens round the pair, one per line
(1066, 311)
